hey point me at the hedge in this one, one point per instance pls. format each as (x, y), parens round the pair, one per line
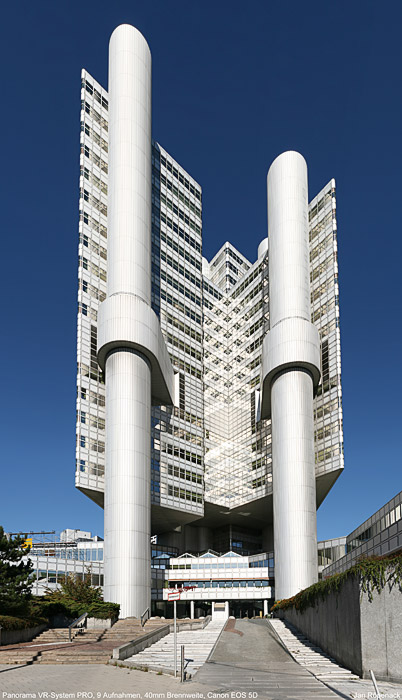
(8, 622)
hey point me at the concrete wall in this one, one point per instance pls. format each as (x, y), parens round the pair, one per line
(360, 635)
(17, 636)
(98, 623)
(381, 629)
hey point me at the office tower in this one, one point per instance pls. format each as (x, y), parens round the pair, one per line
(179, 342)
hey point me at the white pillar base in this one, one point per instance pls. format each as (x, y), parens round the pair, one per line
(295, 529)
(127, 482)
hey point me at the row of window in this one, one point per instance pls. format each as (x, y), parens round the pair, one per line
(177, 304)
(178, 249)
(182, 453)
(96, 374)
(99, 162)
(180, 177)
(92, 268)
(91, 177)
(257, 583)
(92, 112)
(256, 273)
(211, 290)
(320, 226)
(93, 91)
(91, 420)
(180, 195)
(69, 553)
(93, 445)
(181, 345)
(86, 129)
(92, 396)
(94, 247)
(86, 310)
(378, 526)
(177, 211)
(316, 208)
(91, 289)
(180, 473)
(325, 265)
(326, 243)
(185, 495)
(177, 229)
(93, 201)
(93, 223)
(175, 265)
(90, 468)
(328, 453)
(183, 327)
(183, 289)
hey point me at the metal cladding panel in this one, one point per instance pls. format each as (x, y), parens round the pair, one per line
(125, 320)
(129, 265)
(127, 482)
(289, 281)
(295, 529)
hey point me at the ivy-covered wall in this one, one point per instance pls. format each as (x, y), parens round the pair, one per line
(356, 617)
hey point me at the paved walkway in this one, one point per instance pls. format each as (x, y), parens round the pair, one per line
(248, 657)
(72, 681)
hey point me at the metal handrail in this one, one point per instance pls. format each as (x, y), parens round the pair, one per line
(144, 617)
(81, 619)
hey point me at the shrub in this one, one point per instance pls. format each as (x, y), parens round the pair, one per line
(8, 622)
(75, 597)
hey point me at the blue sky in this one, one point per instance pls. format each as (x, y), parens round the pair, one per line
(234, 84)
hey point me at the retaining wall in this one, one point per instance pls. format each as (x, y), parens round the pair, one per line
(17, 636)
(361, 635)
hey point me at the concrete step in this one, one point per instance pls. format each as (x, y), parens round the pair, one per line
(17, 658)
(309, 655)
(198, 645)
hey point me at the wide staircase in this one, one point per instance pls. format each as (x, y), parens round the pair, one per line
(88, 646)
(307, 654)
(198, 644)
(130, 628)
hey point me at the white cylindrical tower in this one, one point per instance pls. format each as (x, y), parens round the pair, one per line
(130, 167)
(128, 370)
(291, 370)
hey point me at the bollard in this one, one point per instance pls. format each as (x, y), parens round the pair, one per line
(182, 673)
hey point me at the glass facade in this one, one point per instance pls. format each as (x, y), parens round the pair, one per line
(379, 535)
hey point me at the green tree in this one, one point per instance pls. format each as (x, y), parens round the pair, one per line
(15, 576)
(80, 590)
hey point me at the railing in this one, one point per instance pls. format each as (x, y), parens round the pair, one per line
(144, 617)
(80, 623)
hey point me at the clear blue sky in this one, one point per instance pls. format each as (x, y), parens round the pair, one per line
(234, 85)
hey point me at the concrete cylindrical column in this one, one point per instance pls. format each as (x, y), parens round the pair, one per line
(289, 266)
(294, 483)
(128, 372)
(129, 190)
(127, 482)
(295, 531)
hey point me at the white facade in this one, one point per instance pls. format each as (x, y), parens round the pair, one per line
(162, 326)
